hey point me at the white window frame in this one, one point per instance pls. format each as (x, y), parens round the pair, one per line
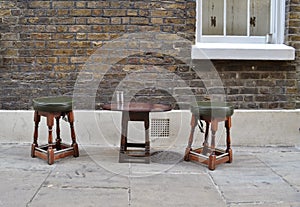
(249, 48)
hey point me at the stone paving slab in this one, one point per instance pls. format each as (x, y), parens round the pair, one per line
(257, 177)
(80, 196)
(19, 186)
(174, 190)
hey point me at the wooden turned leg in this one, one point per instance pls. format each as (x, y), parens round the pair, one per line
(228, 139)
(230, 156)
(50, 151)
(50, 155)
(37, 119)
(71, 122)
(190, 142)
(205, 150)
(212, 157)
(73, 135)
(147, 139)
(50, 120)
(212, 162)
(58, 139)
(76, 151)
(214, 128)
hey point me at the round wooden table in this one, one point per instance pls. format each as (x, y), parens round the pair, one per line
(135, 111)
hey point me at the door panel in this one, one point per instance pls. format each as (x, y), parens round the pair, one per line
(212, 18)
(236, 14)
(260, 13)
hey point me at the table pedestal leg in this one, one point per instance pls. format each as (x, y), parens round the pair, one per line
(147, 139)
(125, 119)
(125, 154)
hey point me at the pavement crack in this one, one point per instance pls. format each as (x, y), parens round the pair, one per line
(217, 188)
(129, 185)
(93, 187)
(39, 188)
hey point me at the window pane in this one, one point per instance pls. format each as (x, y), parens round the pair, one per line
(236, 14)
(212, 18)
(260, 17)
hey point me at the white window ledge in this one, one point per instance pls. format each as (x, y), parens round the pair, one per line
(235, 51)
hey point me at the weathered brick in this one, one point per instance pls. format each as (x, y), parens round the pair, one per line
(97, 12)
(82, 44)
(63, 52)
(114, 12)
(98, 4)
(79, 28)
(116, 20)
(99, 36)
(80, 20)
(139, 20)
(64, 67)
(62, 12)
(39, 4)
(62, 29)
(161, 13)
(132, 12)
(78, 59)
(81, 36)
(80, 4)
(64, 20)
(114, 28)
(40, 44)
(174, 21)
(98, 20)
(52, 60)
(62, 4)
(5, 12)
(41, 52)
(61, 36)
(63, 60)
(41, 36)
(80, 12)
(9, 36)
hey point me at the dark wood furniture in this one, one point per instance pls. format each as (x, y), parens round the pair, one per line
(211, 114)
(53, 108)
(135, 111)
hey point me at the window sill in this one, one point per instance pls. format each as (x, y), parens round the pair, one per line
(242, 51)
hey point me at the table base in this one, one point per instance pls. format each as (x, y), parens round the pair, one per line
(134, 156)
(132, 153)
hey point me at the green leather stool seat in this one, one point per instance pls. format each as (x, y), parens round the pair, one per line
(53, 104)
(213, 109)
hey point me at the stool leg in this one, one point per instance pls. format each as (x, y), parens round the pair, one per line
(37, 119)
(147, 139)
(228, 139)
(212, 157)
(73, 136)
(50, 151)
(190, 142)
(205, 150)
(58, 139)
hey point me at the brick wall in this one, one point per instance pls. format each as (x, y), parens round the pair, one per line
(293, 38)
(47, 45)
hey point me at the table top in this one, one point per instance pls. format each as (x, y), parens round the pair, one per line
(137, 107)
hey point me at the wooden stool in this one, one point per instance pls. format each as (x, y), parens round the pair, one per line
(53, 107)
(211, 113)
